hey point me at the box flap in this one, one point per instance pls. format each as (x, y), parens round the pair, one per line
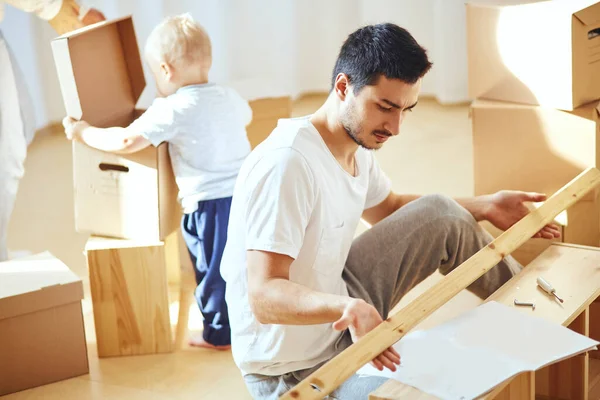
(35, 283)
(100, 71)
(587, 111)
(589, 15)
(485, 103)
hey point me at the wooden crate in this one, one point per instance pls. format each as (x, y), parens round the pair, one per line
(129, 288)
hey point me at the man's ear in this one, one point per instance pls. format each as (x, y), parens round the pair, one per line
(341, 86)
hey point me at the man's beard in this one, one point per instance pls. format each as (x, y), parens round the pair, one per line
(355, 135)
(353, 128)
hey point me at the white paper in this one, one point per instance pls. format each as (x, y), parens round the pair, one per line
(470, 355)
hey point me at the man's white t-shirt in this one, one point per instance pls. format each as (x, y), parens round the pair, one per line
(292, 197)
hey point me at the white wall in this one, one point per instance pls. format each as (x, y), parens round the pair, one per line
(263, 47)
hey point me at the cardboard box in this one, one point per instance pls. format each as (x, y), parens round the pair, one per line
(42, 337)
(125, 196)
(534, 51)
(532, 148)
(128, 280)
(265, 114)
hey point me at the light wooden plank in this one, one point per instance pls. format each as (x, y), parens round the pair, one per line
(337, 370)
(530, 250)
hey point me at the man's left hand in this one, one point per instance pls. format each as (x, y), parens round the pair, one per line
(507, 207)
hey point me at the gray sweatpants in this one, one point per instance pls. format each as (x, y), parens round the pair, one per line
(428, 234)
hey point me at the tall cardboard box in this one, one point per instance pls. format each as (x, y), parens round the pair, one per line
(42, 337)
(128, 280)
(533, 148)
(534, 51)
(130, 196)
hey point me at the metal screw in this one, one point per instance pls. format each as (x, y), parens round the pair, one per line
(520, 303)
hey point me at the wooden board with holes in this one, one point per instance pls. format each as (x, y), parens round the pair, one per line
(128, 282)
(530, 249)
(323, 381)
(575, 228)
(574, 273)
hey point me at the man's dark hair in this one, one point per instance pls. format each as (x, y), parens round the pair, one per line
(382, 49)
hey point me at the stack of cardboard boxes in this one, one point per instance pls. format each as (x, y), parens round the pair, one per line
(534, 70)
(128, 203)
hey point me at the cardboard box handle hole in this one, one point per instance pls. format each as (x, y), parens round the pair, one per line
(113, 167)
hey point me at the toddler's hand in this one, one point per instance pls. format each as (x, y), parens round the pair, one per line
(90, 16)
(73, 128)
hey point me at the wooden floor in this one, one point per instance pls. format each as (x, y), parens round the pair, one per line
(432, 154)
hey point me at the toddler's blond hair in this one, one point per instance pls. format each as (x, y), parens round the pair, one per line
(179, 39)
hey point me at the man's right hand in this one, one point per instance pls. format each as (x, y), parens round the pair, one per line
(360, 318)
